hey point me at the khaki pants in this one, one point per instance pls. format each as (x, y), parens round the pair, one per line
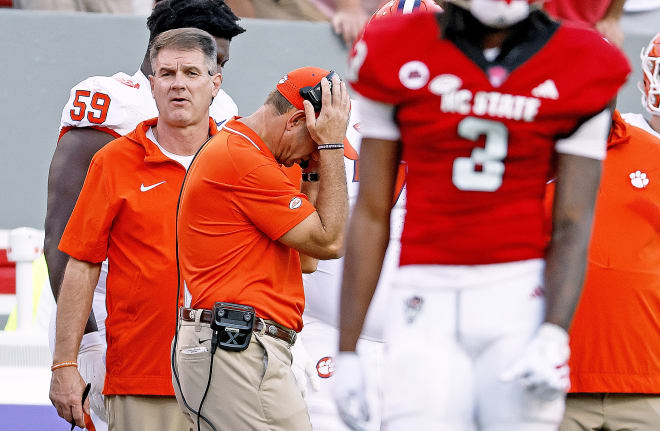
(611, 412)
(250, 390)
(145, 413)
(300, 10)
(104, 6)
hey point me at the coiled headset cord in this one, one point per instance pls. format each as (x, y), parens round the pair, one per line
(214, 344)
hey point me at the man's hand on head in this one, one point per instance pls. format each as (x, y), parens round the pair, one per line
(330, 126)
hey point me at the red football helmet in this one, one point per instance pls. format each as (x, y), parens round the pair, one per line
(650, 89)
(400, 7)
(498, 13)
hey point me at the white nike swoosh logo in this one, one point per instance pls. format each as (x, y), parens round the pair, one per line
(144, 189)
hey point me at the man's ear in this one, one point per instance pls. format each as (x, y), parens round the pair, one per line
(151, 83)
(296, 119)
(217, 82)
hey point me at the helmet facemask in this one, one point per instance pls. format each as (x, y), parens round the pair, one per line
(650, 87)
(498, 14)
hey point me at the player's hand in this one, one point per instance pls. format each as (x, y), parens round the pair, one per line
(304, 369)
(91, 365)
(330, 126)
(348, 23)
(543, 367)
(66, 389)
(349, 391)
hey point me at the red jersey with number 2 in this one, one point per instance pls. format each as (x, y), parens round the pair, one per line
(479, 136)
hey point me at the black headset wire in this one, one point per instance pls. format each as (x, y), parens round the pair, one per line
(178, 292)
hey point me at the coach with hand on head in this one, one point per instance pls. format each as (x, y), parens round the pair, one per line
(241, 225)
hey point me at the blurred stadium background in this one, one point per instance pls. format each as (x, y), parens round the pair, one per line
(46, 53)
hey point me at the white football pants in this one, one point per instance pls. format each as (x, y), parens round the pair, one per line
(453, 331)
(321, 341)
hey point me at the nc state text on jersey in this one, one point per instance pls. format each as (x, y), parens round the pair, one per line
(491, 103)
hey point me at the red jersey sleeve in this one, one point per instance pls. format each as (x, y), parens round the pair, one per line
(597, 72)
(86, 235)
(377, 58)
(268, 197)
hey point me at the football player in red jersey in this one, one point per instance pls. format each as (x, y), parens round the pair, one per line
(489, 101)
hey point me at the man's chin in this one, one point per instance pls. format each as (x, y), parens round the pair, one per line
(180, 119)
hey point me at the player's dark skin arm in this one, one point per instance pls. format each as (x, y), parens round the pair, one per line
(368, 236)
(66, 176)
(572, 215)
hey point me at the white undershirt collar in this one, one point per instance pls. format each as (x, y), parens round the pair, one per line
(185, 161)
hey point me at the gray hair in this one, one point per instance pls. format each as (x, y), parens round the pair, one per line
(186, 39)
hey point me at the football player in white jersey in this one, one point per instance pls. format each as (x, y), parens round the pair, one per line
(650, 88)
(100, 109)
(320, 334)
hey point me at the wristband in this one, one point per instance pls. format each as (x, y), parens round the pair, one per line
(331, 147)
(63, 364)
(310, 176)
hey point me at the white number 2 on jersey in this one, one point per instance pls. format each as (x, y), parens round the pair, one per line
(465, 175)
(356, 61)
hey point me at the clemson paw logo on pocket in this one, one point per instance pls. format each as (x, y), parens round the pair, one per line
(325, 367)
(638, 179)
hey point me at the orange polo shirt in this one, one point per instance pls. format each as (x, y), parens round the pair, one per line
(237, 202)
(615, 335)
(127, 212)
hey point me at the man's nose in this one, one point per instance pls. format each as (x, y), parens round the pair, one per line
(179, 80)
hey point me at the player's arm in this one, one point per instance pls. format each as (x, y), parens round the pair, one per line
(66, 176)
(76, 294)
(578, 178)
(572, 214)
(368, 235)
(610, 24)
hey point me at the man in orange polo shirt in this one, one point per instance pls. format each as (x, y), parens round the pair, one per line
(127, 212)
(615, 334)
(241, 225)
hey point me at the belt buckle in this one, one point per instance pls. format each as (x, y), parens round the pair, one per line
(293, 336)
(261, 331)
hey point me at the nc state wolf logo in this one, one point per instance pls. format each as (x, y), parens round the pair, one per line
(413, 307)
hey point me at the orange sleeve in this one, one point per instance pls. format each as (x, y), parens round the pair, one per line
(271, 201)
(295, 174)
(86, 235)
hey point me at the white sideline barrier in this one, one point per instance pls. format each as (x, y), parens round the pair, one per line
(25, 246)
(24, 354)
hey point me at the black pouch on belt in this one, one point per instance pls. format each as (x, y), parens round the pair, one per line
(232, 325)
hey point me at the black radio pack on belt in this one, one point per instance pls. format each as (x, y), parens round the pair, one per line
(232, 325)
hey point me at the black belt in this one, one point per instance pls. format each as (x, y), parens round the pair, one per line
(261, 326)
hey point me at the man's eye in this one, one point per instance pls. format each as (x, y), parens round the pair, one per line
(192, 73)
